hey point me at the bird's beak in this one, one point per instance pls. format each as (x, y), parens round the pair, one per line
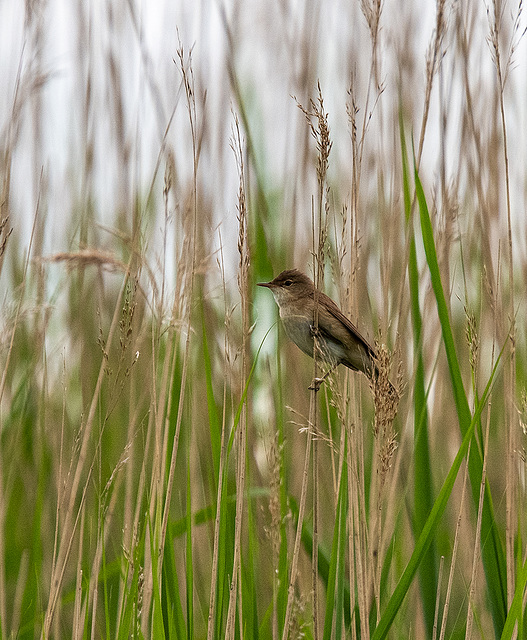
(264, 284)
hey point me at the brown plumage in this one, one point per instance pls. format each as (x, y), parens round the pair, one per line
(339, 340)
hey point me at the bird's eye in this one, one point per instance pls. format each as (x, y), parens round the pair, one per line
(288, 283)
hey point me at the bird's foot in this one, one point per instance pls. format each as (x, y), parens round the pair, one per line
(315, 331)
(315, 385)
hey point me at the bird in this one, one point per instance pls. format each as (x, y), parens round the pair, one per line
(338, 339)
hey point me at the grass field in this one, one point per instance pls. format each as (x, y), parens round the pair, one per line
(165, 471)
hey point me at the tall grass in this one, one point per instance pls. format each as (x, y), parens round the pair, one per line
(165, 470)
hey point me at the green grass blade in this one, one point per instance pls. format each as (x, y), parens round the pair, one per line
(189, 565)
(516, 613)
(172, 608)
(282, 579)
(248, 585)
(333, 565)
(492, 549)
(460, 397)
(423, 490)
(225, 546)
(158, 627)
(128, 621)
(105, 584)
(337, 566)
(431, 524)
(214, 419)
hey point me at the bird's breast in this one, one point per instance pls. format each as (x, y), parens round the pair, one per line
(298, 329)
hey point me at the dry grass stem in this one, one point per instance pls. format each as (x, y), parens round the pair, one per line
(454, 553)
(243, 285)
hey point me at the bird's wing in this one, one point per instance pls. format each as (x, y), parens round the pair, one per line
(333, 309)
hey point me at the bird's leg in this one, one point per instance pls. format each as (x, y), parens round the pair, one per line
(315, 385)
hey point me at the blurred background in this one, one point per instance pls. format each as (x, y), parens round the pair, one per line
(92, 101)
